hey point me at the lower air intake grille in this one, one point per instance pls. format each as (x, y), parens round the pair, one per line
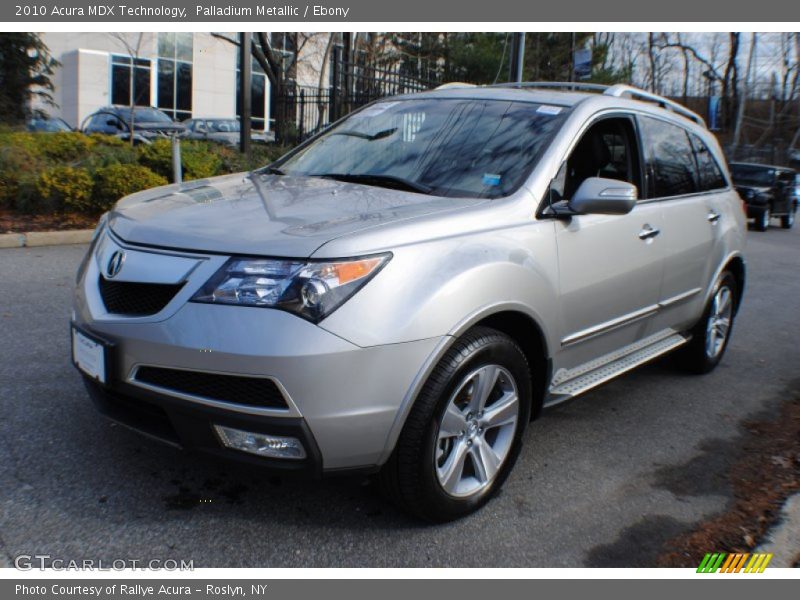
(252, 391)
(136, 299)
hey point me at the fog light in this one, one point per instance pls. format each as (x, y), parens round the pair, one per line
(262, 444)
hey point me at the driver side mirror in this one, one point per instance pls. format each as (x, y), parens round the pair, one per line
(598, 195)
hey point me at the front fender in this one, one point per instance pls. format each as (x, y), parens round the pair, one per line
(441, 288)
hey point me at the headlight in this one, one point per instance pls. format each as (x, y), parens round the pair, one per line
(310, 289)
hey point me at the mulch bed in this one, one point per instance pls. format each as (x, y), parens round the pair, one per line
(765, 474)
(11, 222)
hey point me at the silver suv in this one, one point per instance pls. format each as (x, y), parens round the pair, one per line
(403, 293)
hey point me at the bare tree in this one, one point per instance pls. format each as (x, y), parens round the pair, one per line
(790, 68)
(747, 90)
(132, 48)
(278, 67)
(796, 139)
(688, 52)
(730, 80)
(651, 57)
(320, 85)
(686, 68)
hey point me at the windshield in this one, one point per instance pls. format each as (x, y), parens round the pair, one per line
(145, 115)
(447, 147)
(752, 175)
(48, 125)
(223, 125)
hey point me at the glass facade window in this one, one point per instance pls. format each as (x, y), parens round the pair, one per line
(258, 94)
(130, 81)
(175, 74)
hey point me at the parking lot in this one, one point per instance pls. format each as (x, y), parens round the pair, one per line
(603, 481)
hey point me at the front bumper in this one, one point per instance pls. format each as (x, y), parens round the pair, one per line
(188, 425)
(755, 211)
(345, 402)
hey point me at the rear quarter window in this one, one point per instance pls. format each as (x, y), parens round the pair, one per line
(709, 174)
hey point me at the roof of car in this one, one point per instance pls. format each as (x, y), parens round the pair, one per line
(559, 98)
(567, 94)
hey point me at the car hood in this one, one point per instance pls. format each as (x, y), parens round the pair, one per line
(158, 127)
(266, 215)
(758, 189)
(224, 135)
(233, 136)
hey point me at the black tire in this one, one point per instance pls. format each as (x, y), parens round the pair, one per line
(409, 477)
(694, 357)
(787, 220)
(762, 220)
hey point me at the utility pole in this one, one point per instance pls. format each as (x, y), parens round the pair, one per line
(245, 84)
(517, 62)
(572, 58)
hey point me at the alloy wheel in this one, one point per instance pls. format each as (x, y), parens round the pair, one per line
(719, 321)
(476, 431)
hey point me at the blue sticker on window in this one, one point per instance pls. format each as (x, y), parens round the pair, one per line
(491, 179)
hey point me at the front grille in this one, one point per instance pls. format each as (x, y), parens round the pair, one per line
(251, 391)
(134, 298)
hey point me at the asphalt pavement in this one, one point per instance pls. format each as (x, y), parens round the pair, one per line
(603, 481)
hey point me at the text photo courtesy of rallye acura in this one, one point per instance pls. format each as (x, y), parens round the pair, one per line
(403, 293)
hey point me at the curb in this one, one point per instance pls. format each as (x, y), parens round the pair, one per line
(783, 540)
(45, 238)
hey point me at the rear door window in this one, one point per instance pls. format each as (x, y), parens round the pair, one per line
(671, 168)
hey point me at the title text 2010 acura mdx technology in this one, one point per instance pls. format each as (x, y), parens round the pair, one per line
(406, 291)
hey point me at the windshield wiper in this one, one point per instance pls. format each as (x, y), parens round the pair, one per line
(365, 136)
(388, 181)
(274, 171)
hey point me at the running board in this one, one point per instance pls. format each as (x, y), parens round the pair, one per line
(569, 384)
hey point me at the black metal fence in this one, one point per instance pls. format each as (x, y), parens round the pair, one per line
(359, 82)
(307, 110)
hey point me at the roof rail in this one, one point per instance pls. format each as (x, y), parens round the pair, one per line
(621, 90)
(454, 84)
(554, 85)
(618, 90)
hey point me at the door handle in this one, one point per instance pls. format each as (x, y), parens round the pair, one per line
(648, 232)
(713, 216)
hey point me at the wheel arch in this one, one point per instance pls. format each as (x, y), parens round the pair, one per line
(513, 320)
(529, 336)
(736, 266)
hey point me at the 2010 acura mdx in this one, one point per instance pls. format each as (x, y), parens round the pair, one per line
(406, 291)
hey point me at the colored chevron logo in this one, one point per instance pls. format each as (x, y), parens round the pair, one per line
(720, 562)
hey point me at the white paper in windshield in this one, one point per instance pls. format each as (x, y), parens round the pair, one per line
(374, 111)
(547, 109)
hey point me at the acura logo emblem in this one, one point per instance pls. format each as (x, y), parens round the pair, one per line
(115, 264)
